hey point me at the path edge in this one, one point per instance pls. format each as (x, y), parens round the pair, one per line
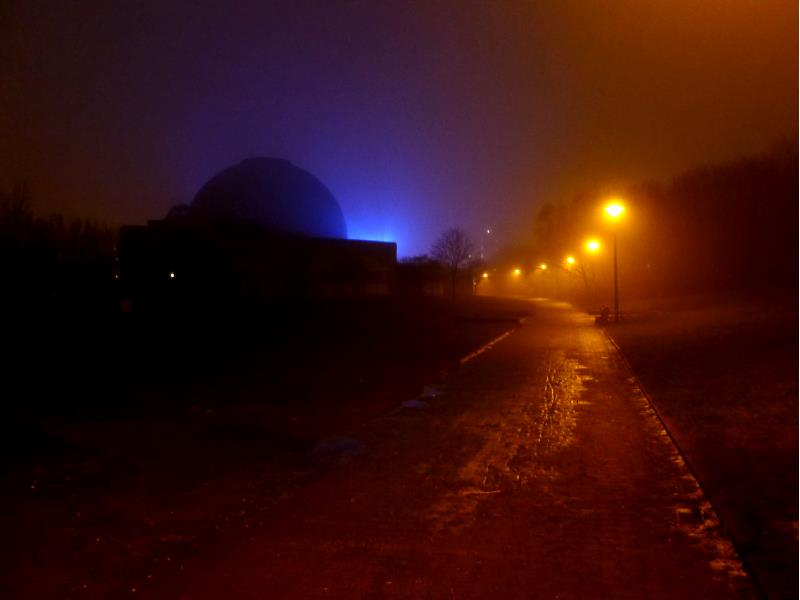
(759, 588)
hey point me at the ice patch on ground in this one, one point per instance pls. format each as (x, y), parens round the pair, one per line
(336, 450)
(415, 403)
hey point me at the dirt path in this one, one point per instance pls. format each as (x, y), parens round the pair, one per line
(540, 471)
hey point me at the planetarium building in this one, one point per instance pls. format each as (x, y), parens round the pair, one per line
(262, 229)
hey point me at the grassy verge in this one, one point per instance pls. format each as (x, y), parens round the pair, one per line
(723, 372)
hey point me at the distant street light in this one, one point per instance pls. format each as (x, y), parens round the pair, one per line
(485, 275)
(543, 266)
(570, 260)
(614, 210)
(517, 272)
(593, 246)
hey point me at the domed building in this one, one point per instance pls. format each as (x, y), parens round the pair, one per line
(273, 193)
(259, 230)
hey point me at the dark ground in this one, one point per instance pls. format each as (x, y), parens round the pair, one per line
(135, 451)
(129, 447)
(539, 471)
(723, 372)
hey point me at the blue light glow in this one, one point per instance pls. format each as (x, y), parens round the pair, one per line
(384, 216)
(375, 231)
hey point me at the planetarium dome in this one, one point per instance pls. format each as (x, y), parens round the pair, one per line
(273, 193)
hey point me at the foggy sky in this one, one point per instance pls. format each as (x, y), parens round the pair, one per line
(417, 115)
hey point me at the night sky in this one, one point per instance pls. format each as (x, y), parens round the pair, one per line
(417, 115)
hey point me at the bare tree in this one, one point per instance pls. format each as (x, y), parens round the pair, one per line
(454, 251)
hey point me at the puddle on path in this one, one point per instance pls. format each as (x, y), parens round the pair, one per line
(539, 421)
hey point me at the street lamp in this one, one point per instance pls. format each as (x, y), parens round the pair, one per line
(593, 246)
(614, 211)
(543, 266)
(517, 272)
(570, 260)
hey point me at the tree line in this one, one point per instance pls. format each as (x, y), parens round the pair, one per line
(52, 263)
(720, 227)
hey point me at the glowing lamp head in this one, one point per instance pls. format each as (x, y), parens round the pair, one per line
(543, 266)
(485, 276)
(614, 209)
(517, 272)
(171, 275)
(593, 246)
(570, 260)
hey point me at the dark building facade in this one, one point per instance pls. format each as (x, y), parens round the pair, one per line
(199, 261)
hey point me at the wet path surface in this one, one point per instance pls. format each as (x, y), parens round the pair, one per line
(539, 472)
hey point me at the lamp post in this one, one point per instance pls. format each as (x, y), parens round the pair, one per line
(614, 211)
